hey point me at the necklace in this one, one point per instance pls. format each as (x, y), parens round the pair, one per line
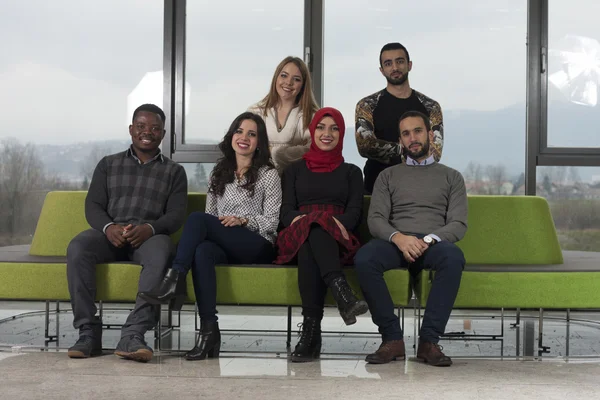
(239, 176)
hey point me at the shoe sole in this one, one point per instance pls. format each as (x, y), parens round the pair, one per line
(359, 308)
(139, 356)
(81, 354)
(397, 358)
(296, 359)
(205, 357)
(442, 364)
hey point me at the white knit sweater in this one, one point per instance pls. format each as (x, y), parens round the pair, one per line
(288, 144)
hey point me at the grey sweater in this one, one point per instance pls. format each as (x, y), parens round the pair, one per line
(424, 199)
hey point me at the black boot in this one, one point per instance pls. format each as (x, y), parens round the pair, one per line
(348, 304)
(309, 345)
(171, 289)
(208, 342)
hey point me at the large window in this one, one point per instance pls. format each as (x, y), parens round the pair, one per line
(471, 59)
(232, 50)
(573, 73)
(573, 194)
(71, 73)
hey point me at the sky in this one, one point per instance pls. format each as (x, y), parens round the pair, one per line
(69, 66)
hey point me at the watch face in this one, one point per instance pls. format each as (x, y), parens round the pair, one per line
(427, 239)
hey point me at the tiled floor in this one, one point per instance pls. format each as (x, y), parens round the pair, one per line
(254, 364)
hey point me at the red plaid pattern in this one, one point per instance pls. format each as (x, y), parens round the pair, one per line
(291, 238)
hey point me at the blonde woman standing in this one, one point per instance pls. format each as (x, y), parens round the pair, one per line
(287, 110)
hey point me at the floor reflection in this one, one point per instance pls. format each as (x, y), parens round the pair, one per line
(472, 334)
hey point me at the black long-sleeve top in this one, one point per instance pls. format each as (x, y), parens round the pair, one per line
(341, 187)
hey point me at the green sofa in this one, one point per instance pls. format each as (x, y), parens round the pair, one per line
(513, 261)
(38, 272)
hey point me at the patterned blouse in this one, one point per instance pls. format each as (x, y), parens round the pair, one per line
(262, 210)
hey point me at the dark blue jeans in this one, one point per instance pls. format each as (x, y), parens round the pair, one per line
(378, 256)
(205, 242)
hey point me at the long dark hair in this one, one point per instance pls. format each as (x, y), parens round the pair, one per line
(223, 173)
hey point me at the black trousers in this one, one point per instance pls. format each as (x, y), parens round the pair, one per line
(318, 264)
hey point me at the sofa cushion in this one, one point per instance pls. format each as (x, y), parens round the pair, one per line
(63, 217)
(118, 282)
(514, 230)
(573, 284)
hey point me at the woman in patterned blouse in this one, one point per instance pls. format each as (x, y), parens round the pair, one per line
(239, 226)
(322, 204)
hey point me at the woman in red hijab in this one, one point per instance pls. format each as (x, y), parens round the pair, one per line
(321, 206)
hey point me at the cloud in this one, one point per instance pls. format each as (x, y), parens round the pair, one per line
(63, 61)
(47, 104)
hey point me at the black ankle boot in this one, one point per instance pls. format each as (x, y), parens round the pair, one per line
(208, 342)
(171, 289)
(309, 345)
(348, 304)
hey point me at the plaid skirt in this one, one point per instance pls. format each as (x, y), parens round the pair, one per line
(291, 238)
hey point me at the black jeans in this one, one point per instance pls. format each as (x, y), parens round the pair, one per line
(318, 263)
(378, 256)
(204, 243)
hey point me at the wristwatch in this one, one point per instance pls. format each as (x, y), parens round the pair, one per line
(429, 240)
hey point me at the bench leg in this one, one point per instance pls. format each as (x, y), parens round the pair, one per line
(501, 333)
(288, 343)
(401, 315)
(48, 338)
(568, 330)
(47, 322)
(417, 329)
(541, 348)
(501, 323)
(57, 321)
(518, 320)
(158, 328)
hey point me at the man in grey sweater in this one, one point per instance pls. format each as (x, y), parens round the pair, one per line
(418, 210)
(136, 199)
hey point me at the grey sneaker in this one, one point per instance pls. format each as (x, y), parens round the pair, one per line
(133, 347)
(86, 346)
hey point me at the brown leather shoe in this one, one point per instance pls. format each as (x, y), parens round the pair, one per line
(431, 353)
(388, 351)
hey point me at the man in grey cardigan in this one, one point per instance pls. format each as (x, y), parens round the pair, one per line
(418, 210)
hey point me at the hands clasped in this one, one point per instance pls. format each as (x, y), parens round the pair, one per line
(411, 247)
(120, 235)
(233, 221)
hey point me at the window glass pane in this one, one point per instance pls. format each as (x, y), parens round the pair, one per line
(574, 197)
(71, 75)
(471, 59)
(573, 73)
(233, 48)
(198, 175)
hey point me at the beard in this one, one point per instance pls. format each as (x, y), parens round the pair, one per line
(415, 155)
(398, 81)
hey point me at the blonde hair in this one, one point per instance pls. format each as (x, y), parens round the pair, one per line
(305, 99)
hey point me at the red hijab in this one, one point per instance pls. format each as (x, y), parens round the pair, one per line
(318, 160)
